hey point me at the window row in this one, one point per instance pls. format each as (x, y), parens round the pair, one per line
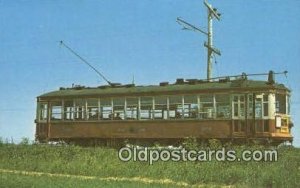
(260, 107)
(142, 108)
(221, 106)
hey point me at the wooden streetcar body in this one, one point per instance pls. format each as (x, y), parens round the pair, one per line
(230, 110)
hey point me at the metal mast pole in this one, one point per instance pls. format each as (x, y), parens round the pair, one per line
(211, 13)
(210, 44)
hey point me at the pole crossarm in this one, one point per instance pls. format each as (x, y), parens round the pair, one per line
(215, 50)
(212, 10)
(189, 26)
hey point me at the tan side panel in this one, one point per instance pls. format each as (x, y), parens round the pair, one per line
(141, 129)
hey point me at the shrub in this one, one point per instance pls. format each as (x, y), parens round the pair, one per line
(190, 143)
(214, 144)
(25, 141)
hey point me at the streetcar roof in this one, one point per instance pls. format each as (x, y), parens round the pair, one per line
(185, 88)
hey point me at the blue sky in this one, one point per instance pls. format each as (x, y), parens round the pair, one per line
(123, 38)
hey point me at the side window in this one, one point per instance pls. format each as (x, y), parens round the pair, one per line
(223, 106)
(206, 107)
(146, 108)
(238, 105)
(190, 106)
(235, 102)
(119, 107)
(175, 107)
(132, 105)
(160, 108)
(80, 109)
(56, 110)
(106, 109)
(43, 111)
(92, 109)
(69, 109)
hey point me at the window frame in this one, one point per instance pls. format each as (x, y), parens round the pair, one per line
(51, 110)
(40, 111)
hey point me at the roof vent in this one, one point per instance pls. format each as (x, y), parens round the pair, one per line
(202, 81)
(244, 76)
(104, 87)
(77, 87)
(129, 85)
(271, 77)
(192, 81)
(179, 81)
(115, 84)
(163, 83)
(224, 80)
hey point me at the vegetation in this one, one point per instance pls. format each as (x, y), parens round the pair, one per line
(69, 166)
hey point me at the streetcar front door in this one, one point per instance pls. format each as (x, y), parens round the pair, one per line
(238, 113)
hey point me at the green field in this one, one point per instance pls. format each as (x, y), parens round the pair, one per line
(27, 165)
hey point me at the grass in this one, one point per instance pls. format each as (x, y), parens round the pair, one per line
(102, 163)
(19, 180)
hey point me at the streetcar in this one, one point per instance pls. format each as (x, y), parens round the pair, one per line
(230, 108)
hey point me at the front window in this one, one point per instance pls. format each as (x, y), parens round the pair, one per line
(289, 105)
(261, 105)
(281, 103)
(266, 104)
(250, 105)
(43, 111)
(258, 107)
